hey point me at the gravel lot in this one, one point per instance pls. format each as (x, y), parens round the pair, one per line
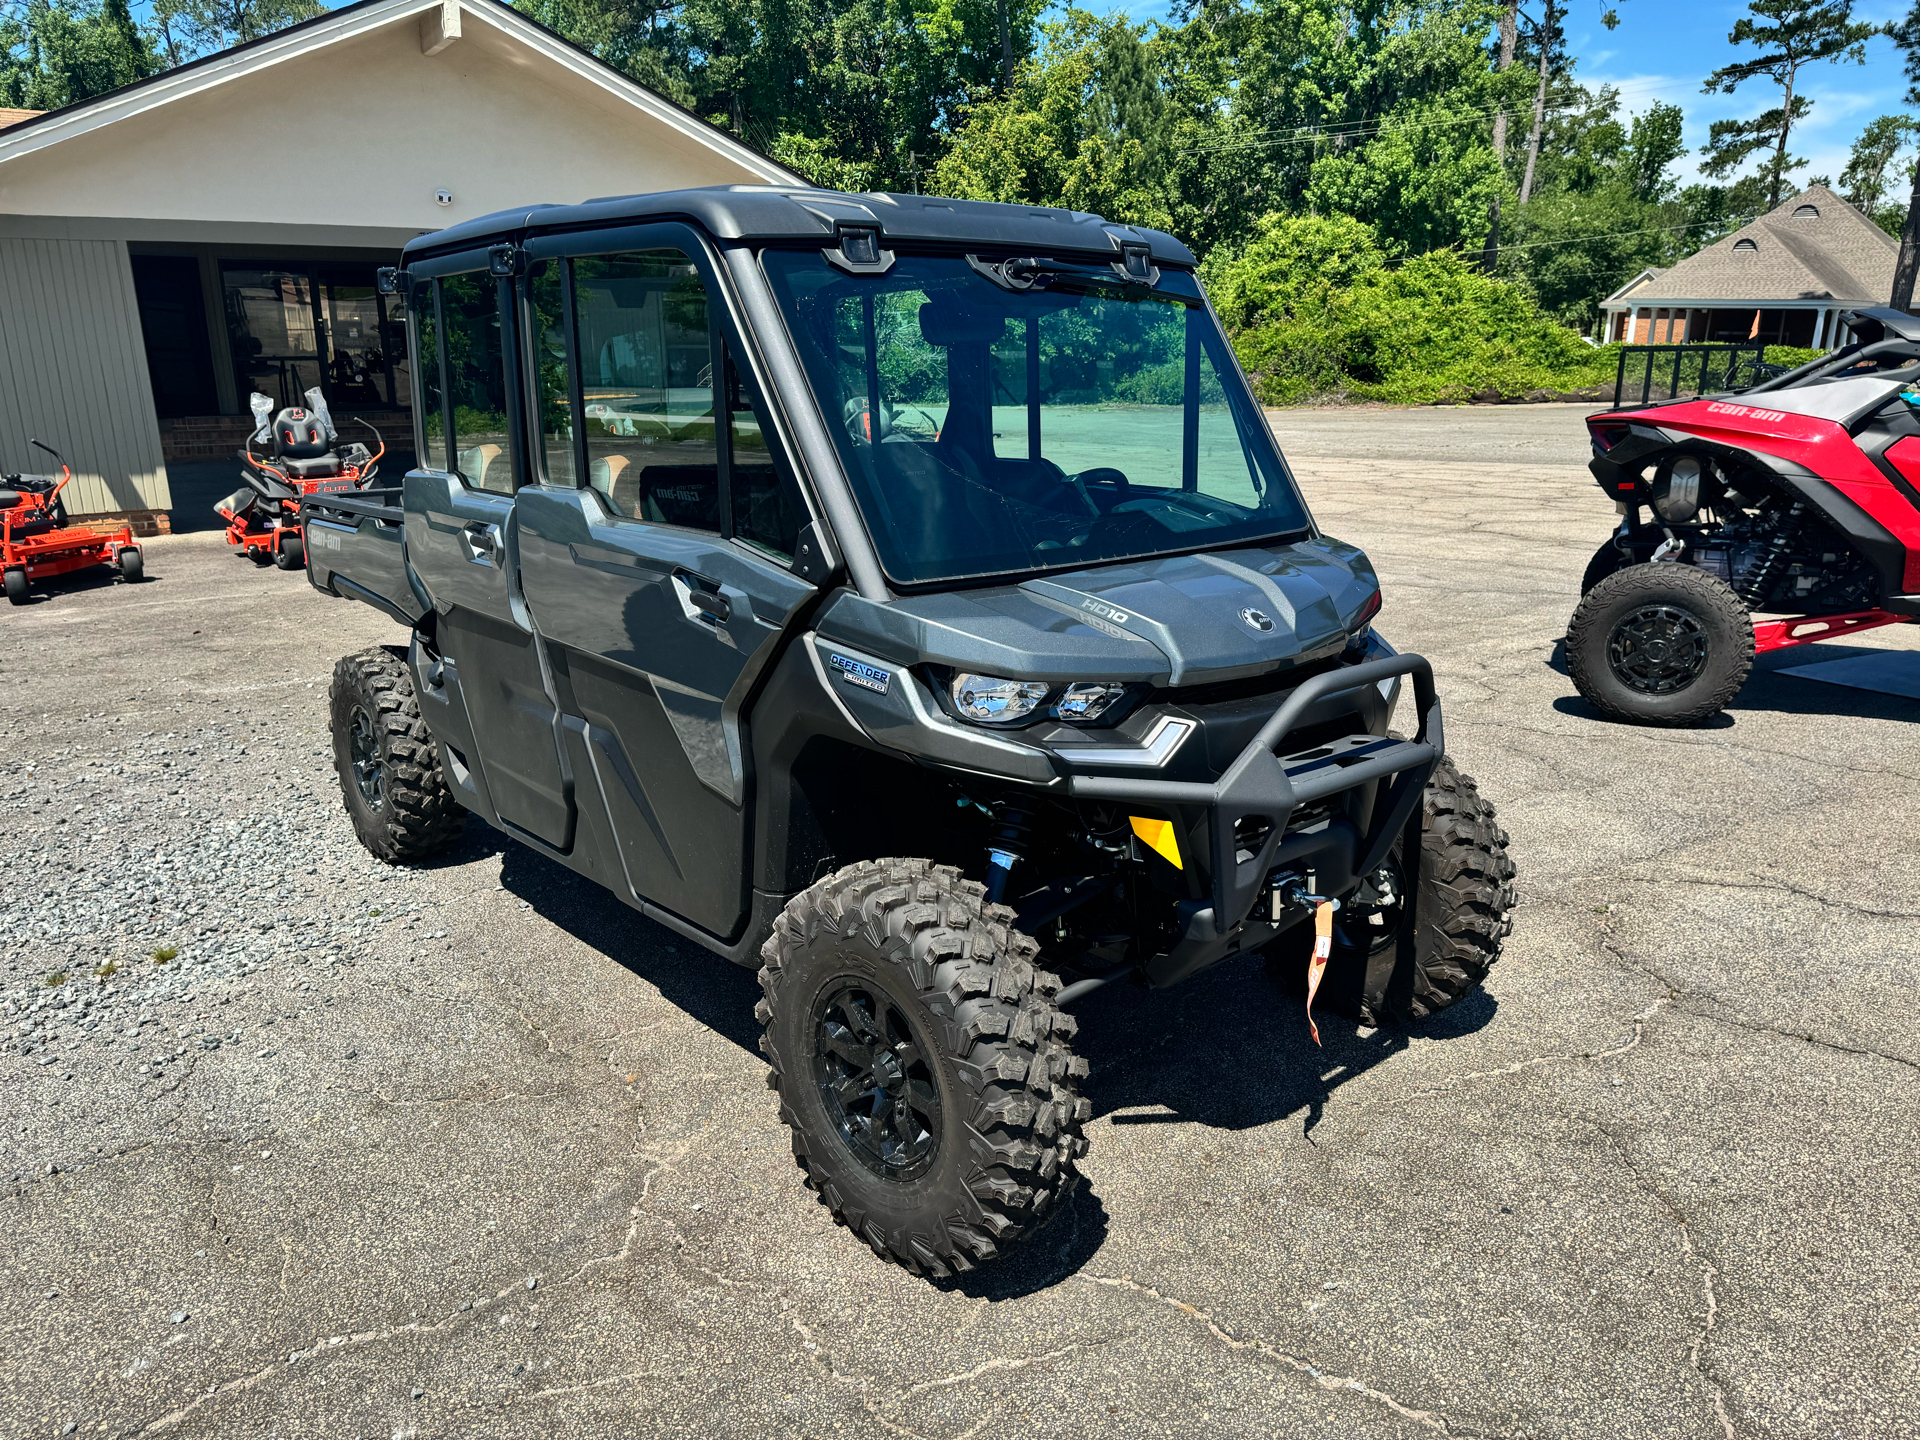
(300, 1144)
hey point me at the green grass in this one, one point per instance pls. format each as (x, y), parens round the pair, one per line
(107, 970)
(163, 954)
(56, 978)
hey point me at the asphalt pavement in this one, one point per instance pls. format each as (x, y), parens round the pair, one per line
(299, 1144)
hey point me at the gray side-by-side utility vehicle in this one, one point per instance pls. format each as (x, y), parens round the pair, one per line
(905, 596)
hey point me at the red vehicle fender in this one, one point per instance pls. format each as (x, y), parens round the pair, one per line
(1821, 446)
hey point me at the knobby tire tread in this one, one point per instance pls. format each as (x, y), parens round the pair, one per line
(992, 1015)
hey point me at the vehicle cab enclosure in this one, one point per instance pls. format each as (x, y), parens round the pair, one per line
(758, 532)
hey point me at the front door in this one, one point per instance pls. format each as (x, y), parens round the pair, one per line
(656, 557)
(461, 542)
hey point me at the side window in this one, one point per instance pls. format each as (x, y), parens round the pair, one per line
(647, 382)
(547, 291)
(767, 508)
(427, 342)
(477, 381)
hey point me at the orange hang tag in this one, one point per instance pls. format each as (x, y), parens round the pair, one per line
(1316, 967)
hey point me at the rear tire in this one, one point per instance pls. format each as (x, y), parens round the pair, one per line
(289, 552)
(389, 768)
(132, 565)
(1607, 560)
(16, 586)
(970, 1146)
(1660, 644)
(1463, 899)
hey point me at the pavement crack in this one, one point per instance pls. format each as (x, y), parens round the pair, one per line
(1322, 1378)
(999, 1363)
(1639, 1022)
(1717, 1394)
(1782, 886)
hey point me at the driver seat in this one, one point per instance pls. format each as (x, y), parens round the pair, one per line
(300, 445)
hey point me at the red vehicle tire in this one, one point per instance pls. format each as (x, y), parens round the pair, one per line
(133, 565)
(16, 585)
(289, 551)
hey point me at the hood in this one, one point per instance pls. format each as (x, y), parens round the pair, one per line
(1172, 620)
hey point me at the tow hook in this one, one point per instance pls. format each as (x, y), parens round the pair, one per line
(1289, 892)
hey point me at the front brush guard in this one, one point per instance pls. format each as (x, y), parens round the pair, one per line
(1263, 785)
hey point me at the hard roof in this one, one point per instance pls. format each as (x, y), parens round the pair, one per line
(767, 212)
(1812, 247)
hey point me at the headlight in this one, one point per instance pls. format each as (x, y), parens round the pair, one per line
(1085, 700)
(988, 698)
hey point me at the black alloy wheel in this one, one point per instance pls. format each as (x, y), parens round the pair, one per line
(1662, 643)
(369, 769)
(1658, 649)
(385, 758)
(875, 1080)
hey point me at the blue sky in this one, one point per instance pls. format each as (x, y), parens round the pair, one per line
(1663, 49)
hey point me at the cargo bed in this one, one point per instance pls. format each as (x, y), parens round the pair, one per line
(355, 550)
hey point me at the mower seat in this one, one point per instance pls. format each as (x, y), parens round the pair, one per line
(9, 499)
(319, 468)
(298, 435)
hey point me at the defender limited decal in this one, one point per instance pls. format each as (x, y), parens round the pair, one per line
(858, 672)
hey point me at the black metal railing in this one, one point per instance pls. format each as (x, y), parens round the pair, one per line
(1668, 372)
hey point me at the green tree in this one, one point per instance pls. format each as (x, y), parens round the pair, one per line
(60, 52)
(1790, 35)
(1867, 180)
(187, 28)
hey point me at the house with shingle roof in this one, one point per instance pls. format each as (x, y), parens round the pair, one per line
(1783, 278)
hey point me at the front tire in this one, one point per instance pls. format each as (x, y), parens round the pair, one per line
(289, 553)
(923, 1069)
(1660, 644)
(1380, 973)
(390, 778)
(16, 586)
(132, 566)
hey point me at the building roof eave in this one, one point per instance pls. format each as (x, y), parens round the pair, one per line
(349, 21)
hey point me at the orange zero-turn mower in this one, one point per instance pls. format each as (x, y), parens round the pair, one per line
(37, 540)
(303, 456)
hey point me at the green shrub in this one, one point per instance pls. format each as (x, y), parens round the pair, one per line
(1317, 309)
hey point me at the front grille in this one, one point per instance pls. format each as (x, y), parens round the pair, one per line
(1271, 682)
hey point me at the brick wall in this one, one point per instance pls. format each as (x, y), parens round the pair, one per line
(217, 437)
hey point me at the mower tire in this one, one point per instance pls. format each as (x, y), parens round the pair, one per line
(289, 551)
(16, 584)
(389, 768)
(1383, 973)
(923, 1068)
(133, 565)
(1661, 644)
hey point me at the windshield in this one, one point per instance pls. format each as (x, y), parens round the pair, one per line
(989, 430)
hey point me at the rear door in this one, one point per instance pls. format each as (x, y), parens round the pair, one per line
(460, 540)
(656, 557)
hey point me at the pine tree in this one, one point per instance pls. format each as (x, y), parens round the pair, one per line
(1790, 35)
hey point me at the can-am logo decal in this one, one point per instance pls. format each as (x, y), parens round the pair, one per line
(1105, 611)
(1749, 411)
(1256, 620)
(857, 672)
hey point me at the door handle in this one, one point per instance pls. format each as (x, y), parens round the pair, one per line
(483, 542)
(700, 598)
(715, 607)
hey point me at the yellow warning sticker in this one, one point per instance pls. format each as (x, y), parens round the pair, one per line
(1159, 837)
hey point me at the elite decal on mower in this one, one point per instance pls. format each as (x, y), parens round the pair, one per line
(906, 598)
(304, 458)
(37, 540)
(1800, 506)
